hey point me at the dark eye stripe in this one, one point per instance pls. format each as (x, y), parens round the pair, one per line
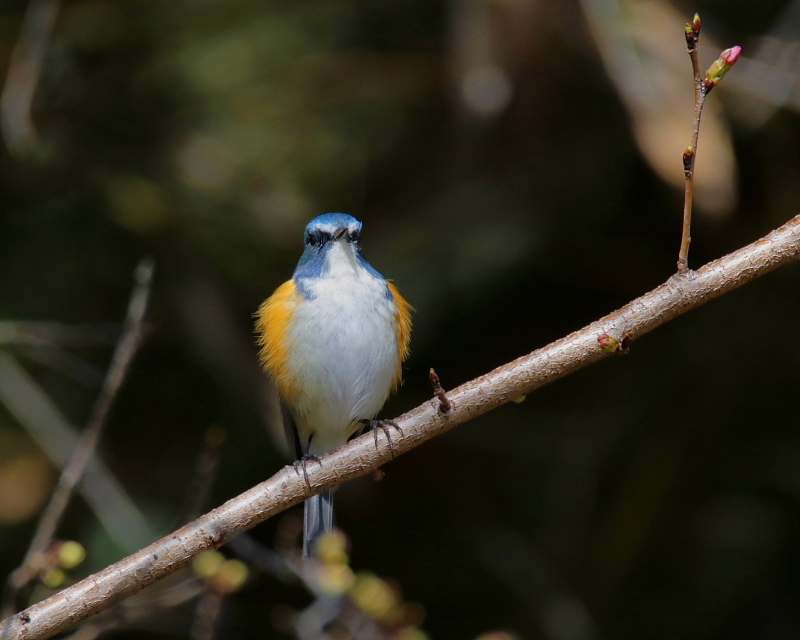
(314, 238)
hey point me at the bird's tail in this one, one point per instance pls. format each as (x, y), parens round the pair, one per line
(317, 521)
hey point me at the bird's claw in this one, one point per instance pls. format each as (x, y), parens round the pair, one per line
(383, 425)
(303, 462)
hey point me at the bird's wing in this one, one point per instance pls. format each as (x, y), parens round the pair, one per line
(403, 320)
(273, 321)
(292, 435)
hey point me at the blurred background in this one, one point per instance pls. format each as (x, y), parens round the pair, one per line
(517, 167)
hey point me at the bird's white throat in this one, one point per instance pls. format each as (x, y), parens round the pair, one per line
(343, 262)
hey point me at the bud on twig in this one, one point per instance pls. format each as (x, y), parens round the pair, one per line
(688, 159)
(439, 392)
(693, 33)
(607, 343)
(720, 67)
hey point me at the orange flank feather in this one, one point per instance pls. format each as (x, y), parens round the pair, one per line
(403, 328)
(272, 324)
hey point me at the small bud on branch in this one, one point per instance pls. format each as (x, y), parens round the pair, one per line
(607, 343)
(693, 33)
(702, 86)
(688, 159)
(720, 67)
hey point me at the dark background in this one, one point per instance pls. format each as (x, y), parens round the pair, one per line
(516, 165)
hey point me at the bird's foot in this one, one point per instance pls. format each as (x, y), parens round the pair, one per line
(383, 425)
(303, 462)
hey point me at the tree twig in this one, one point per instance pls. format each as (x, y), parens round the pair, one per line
(439, 392)
(57, 334)
(25, 399)
(207, 615)
(361, 456)
(702, 87)
(128, 345)
(205, 473)
(23, 76)
(692, 36)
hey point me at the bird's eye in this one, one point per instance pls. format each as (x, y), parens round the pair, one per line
(355, 236)
(312, 239)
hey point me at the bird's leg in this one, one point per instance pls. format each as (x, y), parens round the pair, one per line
(303, 462)
(383, 425)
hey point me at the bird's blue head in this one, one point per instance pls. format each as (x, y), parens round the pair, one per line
(331, 226)
(323, 234)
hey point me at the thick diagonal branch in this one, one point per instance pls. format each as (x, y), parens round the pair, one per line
(361, 456)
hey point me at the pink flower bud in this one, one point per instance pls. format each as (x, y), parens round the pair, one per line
(720, 67)
(731, 55)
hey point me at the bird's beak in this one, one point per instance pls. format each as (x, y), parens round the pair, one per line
(339, 234)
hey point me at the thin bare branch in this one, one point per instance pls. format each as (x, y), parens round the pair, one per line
(209, 608)
(35, 410)
(24, 73)
(205, 473)
(361, 456)
(75, 467)
(692, 35)
(52, 334)
(703, 84)
(72, 366)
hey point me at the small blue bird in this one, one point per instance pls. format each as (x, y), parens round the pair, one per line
(332, 339)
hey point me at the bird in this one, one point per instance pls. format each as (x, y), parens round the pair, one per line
(333, 339)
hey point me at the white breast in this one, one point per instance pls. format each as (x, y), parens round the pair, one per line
(343, 350)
